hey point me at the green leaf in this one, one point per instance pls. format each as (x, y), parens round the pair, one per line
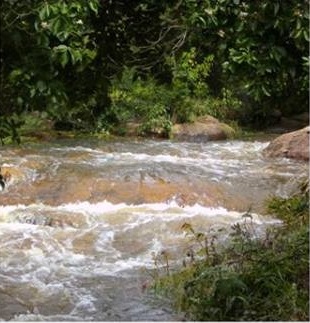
(44, 13)
(14, 75)
(76, 55)
(306, 61)
(32, 92)
(63, 54)
(276, 8)
(93, 6)
(20, 101)
(203, 21)
(41, 86)
(60, 48)
(36, 25)
(297, 34)
(56, 26)
(64, 8)
(134, 49)
(63, 35)
(91, 54)
(43, 40)
(47, 10)
(265, 91)
(64, 58)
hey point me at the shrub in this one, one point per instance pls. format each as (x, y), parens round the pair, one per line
(144, 101)
(9, 126)
(156, 106)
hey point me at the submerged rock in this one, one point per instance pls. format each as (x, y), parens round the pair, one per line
(291, 145)
(204, 129)
(4, 178)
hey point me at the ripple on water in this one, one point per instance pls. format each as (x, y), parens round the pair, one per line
(79, 223)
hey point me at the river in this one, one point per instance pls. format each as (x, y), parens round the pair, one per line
(80, 220)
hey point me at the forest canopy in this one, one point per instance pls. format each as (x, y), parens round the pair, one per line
(81, 62)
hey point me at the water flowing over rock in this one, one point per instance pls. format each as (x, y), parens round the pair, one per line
(204, 129)
(81, 220)
(291, 145)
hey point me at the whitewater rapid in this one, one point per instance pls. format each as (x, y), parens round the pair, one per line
(81, 221)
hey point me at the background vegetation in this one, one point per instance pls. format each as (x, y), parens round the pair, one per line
(234, 59)
(253, 276)
(93, 66)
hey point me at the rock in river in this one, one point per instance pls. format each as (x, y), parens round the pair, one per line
(291, 145)
(204, 129)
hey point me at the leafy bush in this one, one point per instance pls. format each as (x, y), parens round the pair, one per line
(226, 108)
(251, 278)
(143, 101)
(292, 210)
(190, 88)
(9, 128)
(157, 105)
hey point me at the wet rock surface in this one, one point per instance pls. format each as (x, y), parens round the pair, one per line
(215, 174)
(291, 145)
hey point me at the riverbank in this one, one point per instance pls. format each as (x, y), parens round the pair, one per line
(39, 129)
(252, 277)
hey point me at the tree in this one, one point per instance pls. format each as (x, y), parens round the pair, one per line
(48, 56)
(59, 56)
(261, 49)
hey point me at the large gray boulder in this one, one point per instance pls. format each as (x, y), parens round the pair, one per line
(291, 145)
(204, 129)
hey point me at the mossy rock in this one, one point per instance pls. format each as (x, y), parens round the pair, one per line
(202, 130)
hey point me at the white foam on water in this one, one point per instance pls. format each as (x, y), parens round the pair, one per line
(84, 306)
(77, 148)
(55, 262)
(47, 318)
(92, 208)
(137, 214)
(182, 153)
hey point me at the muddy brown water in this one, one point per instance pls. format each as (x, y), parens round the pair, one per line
(80, 220)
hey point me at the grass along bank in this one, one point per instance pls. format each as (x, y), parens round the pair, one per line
(248, 279)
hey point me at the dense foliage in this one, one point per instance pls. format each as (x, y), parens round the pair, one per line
(60, 56)
(253, 278)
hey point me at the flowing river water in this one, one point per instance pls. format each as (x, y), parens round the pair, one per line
(81, 220)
